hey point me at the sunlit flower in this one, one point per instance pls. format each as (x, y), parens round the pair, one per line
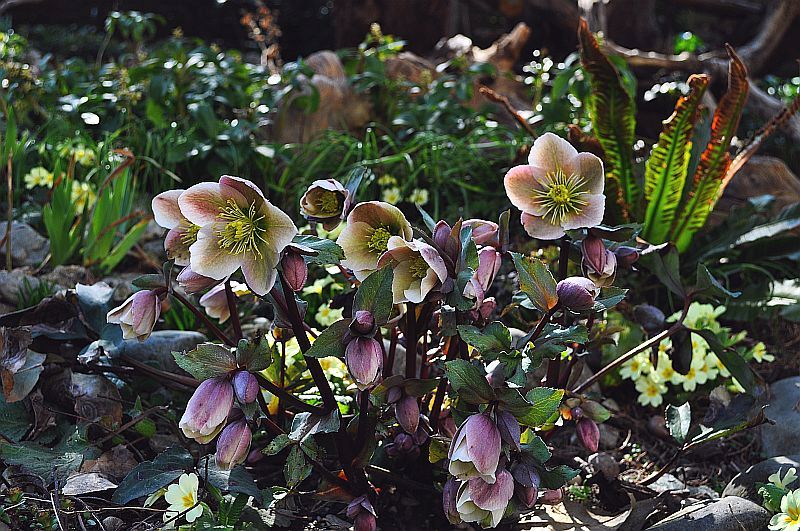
(137, 316)
(387, 180)
(665, 372)
(326, 315)
(239, 229)
(392, 195)
(207, 410)
(84, 156)
(39, 176)
(559, 189)
(690, 379)
(418, 268)
(650, 391)
(713, 361)
(182, 233)
(706, 372)
(182, 496)
(635, 367)
(760, 353)
(366, 236)
(82, 195)
(789, 517)
(215, 301)
(475, 449)
(786, 480)
(419, 196)
(326, 201)
(485, 503)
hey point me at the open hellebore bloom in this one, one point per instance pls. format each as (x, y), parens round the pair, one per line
(577, 293)
(239, 229)
(598, 263)
(233, 444)
(366, 236)
(138, 315)
(485, 503)
(559, 189)
(207, 410)
(484, 232)
(182, 232)
(215, 302)
(326, 201)
(417, 269)
(475, 450)
(364, 359)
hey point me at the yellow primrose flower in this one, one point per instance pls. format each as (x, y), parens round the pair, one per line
(713, 361)
(84, 156)
(39, 176)
(387, 180)
(392, 195)
(326, 315)
(317, 286)
(419, 196)
(182, 496)
(666, 373)
(635, 367)
(760, 353)
(82, 195)
(650, 391)
(789, 517)
(333, 367)
(788, 479)
(705, 372)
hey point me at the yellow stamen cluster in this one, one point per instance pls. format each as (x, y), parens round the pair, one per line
(561, 196)
(379, 240)
(243, 231)
(189, 232)
(327, 202)
(418, 268)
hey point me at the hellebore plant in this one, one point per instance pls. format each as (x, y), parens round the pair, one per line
(430, 364)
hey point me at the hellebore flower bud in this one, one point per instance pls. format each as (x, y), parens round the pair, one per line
(489, 262)
(420, 436)
(394, 394)
(365, 521)
(485, 503)
(509, 428)
(364, 359)
(651, 318)
(527, 495)
(576, 413)
(362, 513)
(475, 450)
(484, 232)
(404, 442)
(326, 201)
(588, 433)
(245, 384)
(599, 264)
(363, 324)
(448, 239)
(526, 475)
(407, 412)
(626, 256)
(449, 493)
(233, 444)
(577, 293)
(207, 410)
(553, 496)
(295, 270)
(254, 456)
(138, 315)
(193, 282)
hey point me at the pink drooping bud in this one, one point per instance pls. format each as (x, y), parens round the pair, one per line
(207, 410)
(394, 394)
(449, 492)
(245, 384)
(489, 262)
(192, 282)
(475, 450)
(552, 496)
(599, 264)
(576, 412)
(626, 256)
(404, 442)
(509, 428)
(138, 315)
(233, 444)
(407, 412)
(527, 495)
(362, 513)
(577, 293)
(363, 324)
(365, 522)
(448, 239)
(364, 359)
(295, 270)
(588, 433)
(484, 232)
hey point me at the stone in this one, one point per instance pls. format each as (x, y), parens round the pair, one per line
(604, 463)
(158, 348)
(668, 482)
(731, 513)
(13, 282)
(28, 247)
(17, 281)
(68, 276)
(744, 485)
(609, 436)
(781, 437)
(112, 523)
(122, 284)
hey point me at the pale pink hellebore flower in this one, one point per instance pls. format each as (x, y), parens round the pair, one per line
(207, 410)
(137, 315)
(418, 268)
(558, 190)
(475, 450)
(485, 503)
(215, 301)
(326, 201)
(182, 233)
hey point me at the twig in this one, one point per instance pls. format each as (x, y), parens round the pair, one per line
(200, 315)
(491, 95)
(284, 395)
(233, 309)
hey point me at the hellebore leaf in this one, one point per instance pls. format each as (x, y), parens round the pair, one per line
(495, 337)
(732, 360)
(679, 420)
(536, 281)
(709, 286)
(327, 251)
(331, 341)
(467, 380)
(554, 478)
(277, 444)
(665, 266)
(255, 355)
(307, 424)
(297, 468)
(375, 295)
(208, 360)
(149, 476)
(544, 404)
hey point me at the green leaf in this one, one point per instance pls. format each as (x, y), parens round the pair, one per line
(553, 478)
(121, 249)
(375, 295)
(208, 360)
(296, 468)
(237, 480)
(708, 285)
(609, 297)
(544, 404)
(555, 339)
(732, 360)
(772, 496)
(277, 444)
(456, 298)
(41, 461)
(15, 421)
(255, 355)
(666, 169)
(149, 281)
(331, 341)
(328, 251)
(679, 420)
(536, 281)
(306, 424)
(149, 476)
(666, 267)
(537, 450)
(467, 380)
(419, 387)
(495, 337)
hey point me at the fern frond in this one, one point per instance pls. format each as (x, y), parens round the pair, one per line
(666, 169)
(715, 159)
(612, 111)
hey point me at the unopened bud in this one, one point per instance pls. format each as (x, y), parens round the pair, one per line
(363, 323)
(527, 495)
(364, 359)
(233, 444)
(295, 270)
(407, 412)
(552, 496)
(626, 256)
(577, 293)
(651, 318)
(594, 253)
(588, 433)
(245, 384)
(394, 394)
(449, 493)
(192, 282)
(509, 428)
(365, 521)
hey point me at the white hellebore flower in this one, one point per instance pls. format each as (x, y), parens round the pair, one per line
(484, 503)
(418, 268)
(182, 496)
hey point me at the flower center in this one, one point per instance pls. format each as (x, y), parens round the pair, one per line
(418, 268)
(379, 241)
(561, 196)
(188, 499)
(327, 202)
(242, 231)
(189, 232)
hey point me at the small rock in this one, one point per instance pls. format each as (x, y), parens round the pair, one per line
(609, 436)
(28, 247)
(14, 282)
(159, 347)
(727, 513)
(743, 484)
(68, 276)
(781, 437)
(122, 284)
(605, 464)
(112, 523)
(668, 482)
(21, 280)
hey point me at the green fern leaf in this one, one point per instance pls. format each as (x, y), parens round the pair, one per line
(612, 111)
(666, 169)
(715, 160)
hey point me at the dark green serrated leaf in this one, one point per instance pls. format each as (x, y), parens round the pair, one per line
(149, 281)
(609, 297)
(554, 478)
(328, 251)
(419, 387)
(544, 403)
(208, 360)
(330, 342)
(709, 286)
(555, 339)
(537, 450)
(255, 355)
(375, 295)
(296, 468)
(495, 337)
(238, 480)
(468, 381)
(149, 476)
(307, 424)
(666, 267)
(732, 360)
(277, 444)
(536, 281)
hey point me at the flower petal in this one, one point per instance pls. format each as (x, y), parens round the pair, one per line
(166, 211)
(492, 497)
(551, 152)
(538, 227)
(353, 240)
(201, 203)
(521, 182)
(246, 192)
(483, 440)
(259, 272)
(590, 168)
(280, 227)
(590, 215)
(208, 259)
